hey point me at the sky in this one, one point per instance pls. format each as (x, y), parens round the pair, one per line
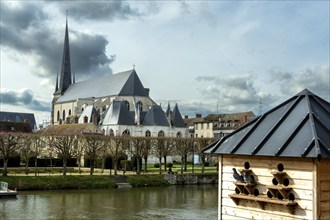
(206, 56)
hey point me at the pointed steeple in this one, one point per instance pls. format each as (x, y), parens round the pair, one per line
(65, 76)
(176, 117)
(168, 110)
(56, 86)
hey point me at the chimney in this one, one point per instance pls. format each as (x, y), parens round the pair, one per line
(198, 115)
(186, 117)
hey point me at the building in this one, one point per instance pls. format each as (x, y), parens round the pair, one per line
(119, 103)
(18, 118)
(217, 125)
(287, 152)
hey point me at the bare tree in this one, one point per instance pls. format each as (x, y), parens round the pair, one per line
(9, 143)
(158, 150)
(168, 150)
(200, 144)
(137, 150)
(93, 147)
(182, 148)
(114, 147)
(146, 150)
(26, 150)
(63, 147)
(38, 145)
(78, 146)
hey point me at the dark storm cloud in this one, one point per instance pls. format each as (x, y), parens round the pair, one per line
(26, 98)
(316, 79)
(99, 10)
(44, 45)
(21, 16)
(89, 57)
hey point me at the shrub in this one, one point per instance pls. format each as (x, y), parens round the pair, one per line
(156, 165)
(207, 164)
(169, 165)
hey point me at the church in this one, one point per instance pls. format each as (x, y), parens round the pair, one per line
(118, 104)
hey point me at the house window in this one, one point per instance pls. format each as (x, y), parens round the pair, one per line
(148, 133)
(126, 133)
(161, 134)
(139, 106)
(127, 105)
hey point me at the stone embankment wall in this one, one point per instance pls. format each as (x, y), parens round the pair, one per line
(191, 179)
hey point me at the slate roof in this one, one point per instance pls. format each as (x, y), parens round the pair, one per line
(118, 114)
(70, 129)
(88, 111)
(176, 118)
(229, 117)
(124, 83)
(155, 116)
(298, 127)
(65, 76)
(19, 117)
(10, 126)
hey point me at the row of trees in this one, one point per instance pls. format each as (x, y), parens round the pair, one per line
(95, 146)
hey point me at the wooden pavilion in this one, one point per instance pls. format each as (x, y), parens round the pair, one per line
(286, 155)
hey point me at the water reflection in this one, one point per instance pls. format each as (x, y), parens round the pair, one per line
(175, 202)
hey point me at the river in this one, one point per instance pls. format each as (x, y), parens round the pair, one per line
(173, 202)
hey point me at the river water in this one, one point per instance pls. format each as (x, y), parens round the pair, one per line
(173, 202)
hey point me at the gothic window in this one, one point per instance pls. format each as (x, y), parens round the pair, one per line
(127, 105)
(69, 112)
(82, 109)
(63, 118)
(139, 106)
(178, 135)
(58, 116)
(148, 133)
(126, 133)
(111, 133)
(161, 134)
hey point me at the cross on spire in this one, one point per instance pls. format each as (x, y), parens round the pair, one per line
(134, 66)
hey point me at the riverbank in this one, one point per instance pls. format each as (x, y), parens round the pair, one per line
(21, 183)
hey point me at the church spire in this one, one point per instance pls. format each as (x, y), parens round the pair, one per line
(56, 86)
(65, 76)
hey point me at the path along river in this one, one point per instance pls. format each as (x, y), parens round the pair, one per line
(173, 202)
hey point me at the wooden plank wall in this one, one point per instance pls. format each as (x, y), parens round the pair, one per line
(300, 172)
(323, 173)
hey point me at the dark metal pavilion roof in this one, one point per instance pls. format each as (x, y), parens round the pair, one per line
(298, 127)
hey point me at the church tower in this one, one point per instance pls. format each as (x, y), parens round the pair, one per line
(64, 80)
